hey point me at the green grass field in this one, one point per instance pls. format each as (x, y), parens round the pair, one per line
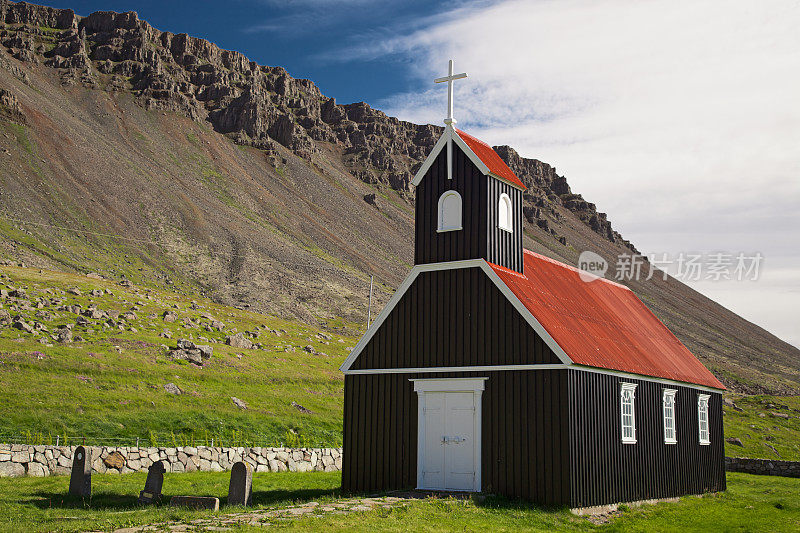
(751, 503)
(111, 384)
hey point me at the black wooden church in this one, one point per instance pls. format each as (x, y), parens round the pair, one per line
(495, 369)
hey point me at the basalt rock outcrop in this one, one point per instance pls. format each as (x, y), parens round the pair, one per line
(253, 104)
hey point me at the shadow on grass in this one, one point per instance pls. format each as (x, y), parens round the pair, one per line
(112, 501)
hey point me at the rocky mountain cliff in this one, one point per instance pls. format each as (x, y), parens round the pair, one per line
(162, 158)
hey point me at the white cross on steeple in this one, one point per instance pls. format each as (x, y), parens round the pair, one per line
(449, 79)
(449, 121)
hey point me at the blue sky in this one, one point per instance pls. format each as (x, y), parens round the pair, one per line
(680, 120)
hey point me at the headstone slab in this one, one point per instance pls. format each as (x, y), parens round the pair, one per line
(80, 480)
(195, 502)
(153, 484)
(241, 482)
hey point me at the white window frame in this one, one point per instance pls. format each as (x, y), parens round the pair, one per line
(703, 425)
(625, 390)
(441, 227)
(669, 414)
(508, 223)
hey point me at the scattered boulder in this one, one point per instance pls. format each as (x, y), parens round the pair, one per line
(96, 292)
(18, 293)
(735, 441)
(239, 403)
(301, 408)
(5, 317)
(64, 335)
(168, 316)
(94, 275)
(238, 341)
(75, 291)
(779, 415)
(189, 351)
(126, 283)
(171, 388)
(95, 313)
(20, 324)
(370, 198)
(10, 109)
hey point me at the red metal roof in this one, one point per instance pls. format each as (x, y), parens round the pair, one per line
(602, 324)
(490, 158)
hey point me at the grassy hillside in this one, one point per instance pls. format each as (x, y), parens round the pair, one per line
(767, 426)
(111, 384)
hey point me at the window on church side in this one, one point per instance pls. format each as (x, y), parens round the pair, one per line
(670, 436)
(450, 211)
(702, 418)
(628, 412)
(505, 216)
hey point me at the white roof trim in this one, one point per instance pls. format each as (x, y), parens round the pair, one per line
(472, 155)
(450, 265)
(630, 375)
(525, 368)
(507, 182)
(426, 165)
(449, 133)
(440, 369)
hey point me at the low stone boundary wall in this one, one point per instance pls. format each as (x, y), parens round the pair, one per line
(22, 460)
(766, 467)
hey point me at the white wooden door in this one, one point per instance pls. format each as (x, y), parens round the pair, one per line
(449, 441)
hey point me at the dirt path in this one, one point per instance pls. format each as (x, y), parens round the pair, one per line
(266, 517)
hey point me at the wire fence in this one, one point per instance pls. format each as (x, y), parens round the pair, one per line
(172, 440)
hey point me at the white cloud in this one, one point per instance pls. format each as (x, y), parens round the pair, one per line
(681, 120)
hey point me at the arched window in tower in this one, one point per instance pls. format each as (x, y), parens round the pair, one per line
(505, 214)
(450, 211)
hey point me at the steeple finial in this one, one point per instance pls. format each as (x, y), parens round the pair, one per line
(449, 79)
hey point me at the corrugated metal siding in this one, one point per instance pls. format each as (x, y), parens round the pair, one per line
(504, 248)
(453, 318)
(604, 470)
(525, 436)
(431, 246)
(602, 324)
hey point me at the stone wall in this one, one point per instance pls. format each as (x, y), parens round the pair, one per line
(766, 467)
(22, 460)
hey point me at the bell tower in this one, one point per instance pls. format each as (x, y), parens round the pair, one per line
(469, 203)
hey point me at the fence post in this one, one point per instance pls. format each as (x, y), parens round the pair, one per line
(212, 442)
(137, 442)
(58, 439)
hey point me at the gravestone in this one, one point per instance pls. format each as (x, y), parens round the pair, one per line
(241, 482)
(195, 502)
(80, 480)
(152, 485)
